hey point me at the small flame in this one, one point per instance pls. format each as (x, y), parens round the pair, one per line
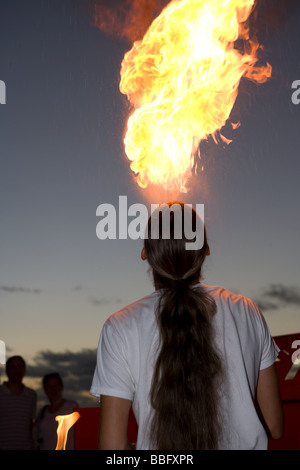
(65, 422)
(182, 80)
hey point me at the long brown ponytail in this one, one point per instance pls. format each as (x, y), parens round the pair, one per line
(184, 391)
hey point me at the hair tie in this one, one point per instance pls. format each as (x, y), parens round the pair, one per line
(166, 275)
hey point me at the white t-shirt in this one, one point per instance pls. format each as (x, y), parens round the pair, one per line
(127, 352)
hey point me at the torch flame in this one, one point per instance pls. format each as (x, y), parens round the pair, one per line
(182, 79)
(65, 422)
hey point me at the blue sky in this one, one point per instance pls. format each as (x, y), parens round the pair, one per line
(61, 155)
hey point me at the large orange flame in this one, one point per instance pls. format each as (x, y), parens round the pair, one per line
(182, 79)
(65, 422)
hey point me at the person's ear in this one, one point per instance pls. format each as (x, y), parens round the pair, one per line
(143, 254)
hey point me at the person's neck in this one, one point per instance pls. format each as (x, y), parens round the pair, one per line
(56, 404)
(15, 387)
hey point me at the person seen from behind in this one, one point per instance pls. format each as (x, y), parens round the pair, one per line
(195, 361)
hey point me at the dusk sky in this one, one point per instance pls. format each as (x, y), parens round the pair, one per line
(62, 154)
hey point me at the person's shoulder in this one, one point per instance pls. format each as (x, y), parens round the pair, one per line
(71, 403)
(230, 298)
(219, 291)
(134, 309)
(30, 392)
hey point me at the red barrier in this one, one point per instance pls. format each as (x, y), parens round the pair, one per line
(86, 428)
(289, 382)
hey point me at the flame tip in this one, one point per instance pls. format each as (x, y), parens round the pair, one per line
(65, 422)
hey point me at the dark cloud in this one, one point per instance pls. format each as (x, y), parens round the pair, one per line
(77, 288)
(13, 289)
(278, 295)
(103, 301)
(285, 294)
(75, 368)
(265, 305)
(96, 302)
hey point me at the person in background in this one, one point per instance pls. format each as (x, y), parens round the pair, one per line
(17, 408)
(46, 425)
(195, 362)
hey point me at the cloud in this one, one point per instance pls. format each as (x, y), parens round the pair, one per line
(265, 305)
(78, 287)
(13, 289)
(75, 368)
(103, 301)
(278, 295)
(96, 302)
(285, 294)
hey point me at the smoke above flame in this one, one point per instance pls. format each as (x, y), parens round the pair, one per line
(126, 19)
(182, 81)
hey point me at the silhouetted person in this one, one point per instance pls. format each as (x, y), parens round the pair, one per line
(46, 424)
(17, 408)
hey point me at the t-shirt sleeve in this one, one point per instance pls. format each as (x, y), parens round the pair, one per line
(112, 375)
(269, 349)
